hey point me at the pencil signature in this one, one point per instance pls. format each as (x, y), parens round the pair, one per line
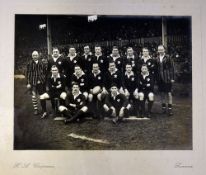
(31, 165)
(181, 165)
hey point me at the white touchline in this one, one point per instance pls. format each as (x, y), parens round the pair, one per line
(76, 136)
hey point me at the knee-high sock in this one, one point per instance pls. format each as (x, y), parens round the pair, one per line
(142, 106)
(34, 102)
(150, 104)
(43, 105)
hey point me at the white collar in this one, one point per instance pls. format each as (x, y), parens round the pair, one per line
(145, 75)
(72, 57)
(80, 75)
(55, 59)
(113, 71)
(130, 57)
(118, 56)
(97, 72)
(147, 58)
(58, 76)
(75, 96)
(131, 73)
(98, 55)
(36, 61)
(116, 95)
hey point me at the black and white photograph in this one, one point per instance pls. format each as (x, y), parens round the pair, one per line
(102, 82)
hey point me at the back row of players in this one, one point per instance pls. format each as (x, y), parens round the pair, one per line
(114, 85)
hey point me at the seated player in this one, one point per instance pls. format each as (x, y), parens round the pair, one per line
(130, 84)
(56, 85)
(116, 104)
(146, 88)
(80, 78)
(95, 86)
(76, 107)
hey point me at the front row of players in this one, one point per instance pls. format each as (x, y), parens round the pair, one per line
(105, 95)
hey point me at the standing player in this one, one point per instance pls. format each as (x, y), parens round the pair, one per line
(115, 57)
(165, 68)
(150, 62)
(132, 59)
(86, 60)
(56, 60)
(146, 90)
(36, 77)
(76, 105)
(80, 78)
(95, 85)
(116, 104)
(100, 59)
(71, 60)
(56, 84)
(130, 85)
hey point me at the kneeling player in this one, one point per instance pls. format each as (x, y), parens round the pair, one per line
(56, 85)
(116, 104)
(146, 88)
(76, 107)
(95, 86)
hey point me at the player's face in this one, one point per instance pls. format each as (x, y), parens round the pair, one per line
(86, 50)
(75, 89)
(144, 70)
(54, 71)
(35, 55)
(95, 68)
(55, 53)
(98, 50)
(72, 51)
(77, 70)
(114, 90)
(130, 52)
(128, 68)
(161, 50)
(145, 52)
(115, 52)
(111, 66)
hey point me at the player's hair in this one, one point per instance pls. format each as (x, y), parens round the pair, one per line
(128, 64)
(97, 46)
(115, 47)
(72, 47)
(113, 84)
(77, 66)
(144, 65)
(111, 62)
(86, 46)
(146, 48)
(129, 48)
(74, 83)
(95, 63)
(54, 67)
(55, 48)
(161, 45)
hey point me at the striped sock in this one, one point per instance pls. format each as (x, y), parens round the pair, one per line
(35, 103)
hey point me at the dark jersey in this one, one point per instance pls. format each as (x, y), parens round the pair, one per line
(133, 61)
(36, 72)
(130, 82)
(118, 62)
(102, 61)
(79, 101)
(70, 64)
(118, 102)
(151, 64)
(146, 84)
(111, 78)
(81, 81)
(86, 62)
(59, 63)
(95, 80)
(56, 84)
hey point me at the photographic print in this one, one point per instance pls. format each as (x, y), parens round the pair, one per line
(102, 82)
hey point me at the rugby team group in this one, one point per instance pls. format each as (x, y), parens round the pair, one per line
(114, 86)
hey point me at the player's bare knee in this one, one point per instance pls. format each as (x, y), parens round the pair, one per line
(44, 96)
(84, 109)
(85, 94)
(62, 108)
(90, 97)
(141, 96)
(106, 108)
(63, 95)
(99, 97)
(151, 96)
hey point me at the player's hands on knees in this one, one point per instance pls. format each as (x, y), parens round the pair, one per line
(172, 81)
(121, 112)
(113, 111)
(28, 86)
